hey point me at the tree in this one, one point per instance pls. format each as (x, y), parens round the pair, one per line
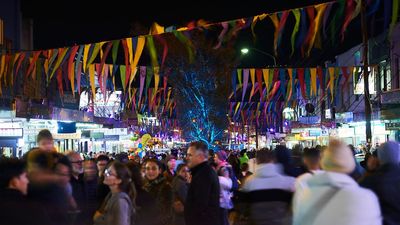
(201, 88)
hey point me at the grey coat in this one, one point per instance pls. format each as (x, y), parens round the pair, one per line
(117, 209)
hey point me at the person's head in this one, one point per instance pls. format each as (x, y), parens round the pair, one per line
(372, 161)
(312, 158)
(265, 155)
(77, 163)
(90, 169)
(389, 153)
(224, 172)
(243, 152)
(283, 155)
(13, 175)
(136, 173)
(196, 154)
(183, 171)
(152, 169)
(101, 162)
(244, 167)
(63, 169)
(40, 161)
(220, 156)
(338, 157)
(45, 140)
(118, 177)
(171, 164)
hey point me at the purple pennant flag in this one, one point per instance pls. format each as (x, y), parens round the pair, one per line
(245, 82)
(142, 78)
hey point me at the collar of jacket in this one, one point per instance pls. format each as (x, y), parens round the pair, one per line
(156, 181)
(333, 179)
(267, 170)
(197, 168)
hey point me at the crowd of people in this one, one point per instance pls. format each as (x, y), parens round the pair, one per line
(197, 186)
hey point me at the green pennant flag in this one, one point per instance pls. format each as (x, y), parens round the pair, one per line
(122, 69)
(115, 45)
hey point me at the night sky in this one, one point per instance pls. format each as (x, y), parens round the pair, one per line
(65, 23)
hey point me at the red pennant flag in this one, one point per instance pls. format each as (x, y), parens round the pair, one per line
(300, 75)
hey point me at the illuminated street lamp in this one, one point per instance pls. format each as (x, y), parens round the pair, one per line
(245, 51)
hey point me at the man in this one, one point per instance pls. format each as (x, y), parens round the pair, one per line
(169, 174)
(102, 189)
(202, 202)
(333, 197)
(13, 191)
(101, 162)
(45, 140)
(77, 182)
(385, 182)
(312, 160)
(268, 191)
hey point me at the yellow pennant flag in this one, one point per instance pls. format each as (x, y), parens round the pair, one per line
(61, 54)
(130, 50)
(313, 72)
(85, 56)
(91, 77)
(266, 78)
(237, 108)
(139, 49)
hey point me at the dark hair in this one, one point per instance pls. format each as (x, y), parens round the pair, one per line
(41, 159)
(135, 173)
(63, 160)
(44, 134)
(153, 160)
(180, 167)
(10, 168)
(200, 146)
(264, 155)
(126, 185)
(102, 158)
(245, 167)
(311, 153)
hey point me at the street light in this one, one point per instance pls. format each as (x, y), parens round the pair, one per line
(245, 51)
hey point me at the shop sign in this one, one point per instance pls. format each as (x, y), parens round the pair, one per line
(67, 101)
(309, 119)
(110, 138)
(328, 114)
(67, 136)
(97, 135)
(11, 132)
(392, 126)
(314, 133)
(345, 117)
(345, 132)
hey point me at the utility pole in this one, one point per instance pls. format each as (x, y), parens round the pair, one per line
(367, 101)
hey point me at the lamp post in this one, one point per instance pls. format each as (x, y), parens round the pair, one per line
(246, 51)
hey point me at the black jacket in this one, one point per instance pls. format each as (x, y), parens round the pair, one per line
(16, 209)
(202, 201)
(386, 185)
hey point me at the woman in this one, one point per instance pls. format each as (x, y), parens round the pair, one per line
(119, 206)
(180, 187)
(159, 189)
(225, 201)
(145, 204)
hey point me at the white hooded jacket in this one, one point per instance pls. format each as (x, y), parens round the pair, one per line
(350, 205)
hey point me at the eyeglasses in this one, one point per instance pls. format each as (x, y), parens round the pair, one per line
(108, 173)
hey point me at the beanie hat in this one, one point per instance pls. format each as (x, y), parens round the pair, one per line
(338, 158)
(389, 152)
(222, 155)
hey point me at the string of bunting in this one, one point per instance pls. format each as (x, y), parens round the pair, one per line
(286, 87)
(68, 65)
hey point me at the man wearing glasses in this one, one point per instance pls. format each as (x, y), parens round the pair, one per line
(77, 182)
